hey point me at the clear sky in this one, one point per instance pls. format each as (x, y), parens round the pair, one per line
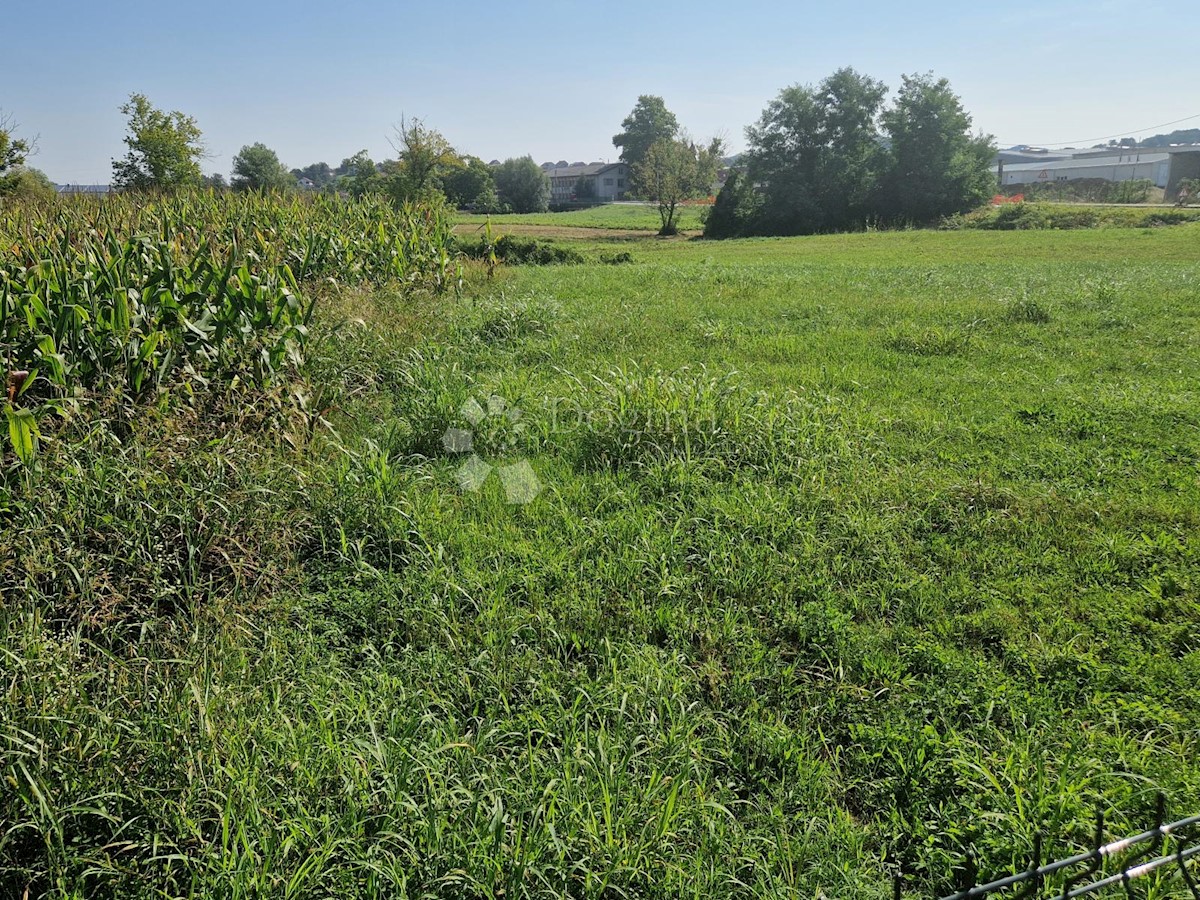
(322, 81)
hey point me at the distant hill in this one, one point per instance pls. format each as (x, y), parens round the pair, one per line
(1183, 136)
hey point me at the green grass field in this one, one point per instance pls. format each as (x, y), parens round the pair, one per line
(631, 217)
(850, 554)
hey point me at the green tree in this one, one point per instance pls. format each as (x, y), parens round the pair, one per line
(257, 168)
(358, 175)
(648, 123)
(164, 148)
(585, 188)
(937, 167)
(522, 185)
(215, 182)
(13, 153)
(816, 156)
(319, 173)
(675, 170)
(25, 183)
(424, 156)
(470, 183)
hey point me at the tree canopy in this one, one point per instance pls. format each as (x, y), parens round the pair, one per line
(674, 170)
(648, 123)
(522, 185)
(319, 173)
(938, 167)
(13, 153)
(164, 148)
(470, 183)
(424, 156)
(816, 154)
(257, 168)
(832, 158)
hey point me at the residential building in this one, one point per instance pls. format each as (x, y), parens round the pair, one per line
(607, 182)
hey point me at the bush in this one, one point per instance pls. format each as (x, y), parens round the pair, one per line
(523, 251)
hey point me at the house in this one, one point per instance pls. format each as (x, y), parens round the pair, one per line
(605, 182)
(1165, 167)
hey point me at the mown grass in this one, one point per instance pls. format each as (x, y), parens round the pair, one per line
(853, 553)
(621, 216)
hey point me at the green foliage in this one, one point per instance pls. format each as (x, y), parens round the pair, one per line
(14, 177)
(1085, 190)
(1037, 216)
(320, 174)
(648, 123)
(585, 188)
(917, 580)
(164, 148)
(676, 170)
(26, 184)
(129, 298)
(359, 176)
(1188, 192)
(522, 186)
(424, 156)
(818, 160)
(257, 168)
(736, 205)
(522, 251)
(470, 183)
(936, 167)
(817, 157)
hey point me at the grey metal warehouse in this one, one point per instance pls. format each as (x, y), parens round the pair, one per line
(1166, 167)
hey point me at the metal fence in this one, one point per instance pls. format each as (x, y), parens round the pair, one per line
(1165, 848)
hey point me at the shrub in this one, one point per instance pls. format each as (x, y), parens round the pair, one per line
(523, 251)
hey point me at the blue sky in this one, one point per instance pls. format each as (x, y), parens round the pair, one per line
(322, 81)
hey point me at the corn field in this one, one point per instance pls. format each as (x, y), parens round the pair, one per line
(132, 293)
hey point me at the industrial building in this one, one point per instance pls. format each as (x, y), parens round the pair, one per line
(1165, 167)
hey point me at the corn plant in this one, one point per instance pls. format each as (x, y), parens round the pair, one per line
(134, 294)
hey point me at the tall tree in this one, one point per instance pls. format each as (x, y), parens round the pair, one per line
(257, 168)
(816, 155)
(424, 155)
(164, 148)
(358, 175)
(648, 123)
(522, 185)
(675, 170)
(938, 167)
(13, 153)
(470, 183)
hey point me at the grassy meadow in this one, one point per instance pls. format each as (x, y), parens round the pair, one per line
(612, 216)
(846, 556)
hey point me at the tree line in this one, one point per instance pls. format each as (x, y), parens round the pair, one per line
(829, 157)
(834, 157)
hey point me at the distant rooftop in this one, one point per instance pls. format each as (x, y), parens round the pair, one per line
(84, 188)
(576, 171)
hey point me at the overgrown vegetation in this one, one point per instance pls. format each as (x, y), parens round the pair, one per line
(1038, 216)
(1087, 190)
(131, 297)
(833, 158)
(854, 553)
